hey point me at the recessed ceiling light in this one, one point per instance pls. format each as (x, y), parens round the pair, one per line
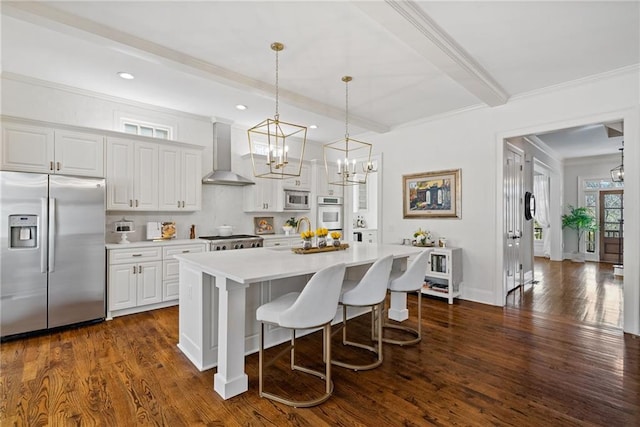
(313, 126)
(126, 76)
(241, 107)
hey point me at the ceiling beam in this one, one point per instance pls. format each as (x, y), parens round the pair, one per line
(41, 14)
(427, 38)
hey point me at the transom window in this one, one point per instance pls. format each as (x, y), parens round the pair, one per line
(147, 129)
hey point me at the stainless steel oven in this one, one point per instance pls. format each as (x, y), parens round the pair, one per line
(330, 212)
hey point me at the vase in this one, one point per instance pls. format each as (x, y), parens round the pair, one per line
(306, 244)
(336, 243)
(322, 241)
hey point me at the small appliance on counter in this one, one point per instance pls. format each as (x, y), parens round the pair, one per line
(161, 230)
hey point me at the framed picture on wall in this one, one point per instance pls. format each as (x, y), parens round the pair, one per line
(432, 194)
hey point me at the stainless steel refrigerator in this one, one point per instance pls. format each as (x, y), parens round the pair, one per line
(52, 267)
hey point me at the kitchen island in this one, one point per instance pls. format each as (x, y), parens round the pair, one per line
(220, 291)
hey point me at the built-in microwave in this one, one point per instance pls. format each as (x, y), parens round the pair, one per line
(297, 200)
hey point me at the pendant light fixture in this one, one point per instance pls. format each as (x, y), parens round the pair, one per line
(277, 147)
(347, 161)
(617, 173)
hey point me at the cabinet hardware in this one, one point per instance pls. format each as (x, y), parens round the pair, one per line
(186, 251)
(178, 203)
(50, 166)
(130, 203)
(136, 203)
(183, 203)
(57, 166)
(134, 269)
(139, 269)
(136, 254)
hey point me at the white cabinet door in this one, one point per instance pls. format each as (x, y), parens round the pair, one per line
(145, 176)
(170, 179)
(122, 286)
(180, 179)
(302, 182)
(265, 196)
(79, 154)
(27, 148)
(191, 180)
(120, 165)
(149, 283)
(324, 188)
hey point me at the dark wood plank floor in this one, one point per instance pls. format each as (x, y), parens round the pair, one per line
(477, 365)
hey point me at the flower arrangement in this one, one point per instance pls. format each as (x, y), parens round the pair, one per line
(322, 232)
(336, 235)
(423, 237)
(308, 234)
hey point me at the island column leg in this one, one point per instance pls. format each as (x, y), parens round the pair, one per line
(231, 380)
(398, 305)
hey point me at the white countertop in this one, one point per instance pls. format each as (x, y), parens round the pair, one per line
(260, 264)
(148, 243)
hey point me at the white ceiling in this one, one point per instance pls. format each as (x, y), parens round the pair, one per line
(411, 60)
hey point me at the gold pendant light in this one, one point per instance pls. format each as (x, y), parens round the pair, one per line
(347, 161)
(277, 147)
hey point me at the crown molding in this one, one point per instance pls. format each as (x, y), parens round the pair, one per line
(99, 95)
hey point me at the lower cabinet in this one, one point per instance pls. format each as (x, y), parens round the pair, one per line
(144, 278)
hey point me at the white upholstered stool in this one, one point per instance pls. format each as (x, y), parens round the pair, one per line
(410, 281)
(370, 291)
(314, 307)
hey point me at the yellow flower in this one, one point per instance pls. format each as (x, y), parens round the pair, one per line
(335, 235)
(321, 232)
(307, 234)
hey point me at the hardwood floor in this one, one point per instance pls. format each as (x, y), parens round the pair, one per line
(477, 365)
(586, 292)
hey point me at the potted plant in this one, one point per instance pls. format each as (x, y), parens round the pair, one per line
(289, 225)
(581, 220)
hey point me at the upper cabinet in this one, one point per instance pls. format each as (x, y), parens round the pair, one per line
(146, 176)
(302, 182)
(180, 179)
(30, 148)
(323, 187)
(132, 175)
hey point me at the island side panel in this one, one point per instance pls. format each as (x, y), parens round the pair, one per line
(196, 317)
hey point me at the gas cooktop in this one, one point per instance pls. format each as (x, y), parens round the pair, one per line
(232, 237)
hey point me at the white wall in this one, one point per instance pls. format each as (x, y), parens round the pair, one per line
(472, 141)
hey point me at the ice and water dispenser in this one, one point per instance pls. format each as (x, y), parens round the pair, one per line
(24, 231)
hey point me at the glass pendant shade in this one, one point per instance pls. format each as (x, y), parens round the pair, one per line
(617, 173)
(277, 147)
(347, 161)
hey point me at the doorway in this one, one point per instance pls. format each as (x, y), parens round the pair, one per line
(611, 223)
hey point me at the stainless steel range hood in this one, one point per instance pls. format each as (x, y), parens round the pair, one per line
(222, 174)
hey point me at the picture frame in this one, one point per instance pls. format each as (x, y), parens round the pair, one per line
(263, 225)
(434, 194)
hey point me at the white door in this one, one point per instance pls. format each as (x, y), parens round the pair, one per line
(145, 181)
(191, 180)
(170, 179)
(119, 174)
(79, 153)
(513, 217)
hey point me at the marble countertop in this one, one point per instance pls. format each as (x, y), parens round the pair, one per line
(260, 264)
(149, 243)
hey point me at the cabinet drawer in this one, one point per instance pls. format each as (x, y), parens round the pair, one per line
(170, 290)
(170, 269)
(169, 251)
(124, 256)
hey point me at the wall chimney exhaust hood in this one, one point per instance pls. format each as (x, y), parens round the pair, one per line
(222, 174)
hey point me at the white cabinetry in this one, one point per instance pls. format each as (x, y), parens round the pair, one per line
(171, 268)
(132, 175)
(144, 278)
(302, 182)
(180, 179)
(135, 278)
(323, 187)
(30, 148)
(444, 273)
(369, 236)
(282, 241)
(265, 196)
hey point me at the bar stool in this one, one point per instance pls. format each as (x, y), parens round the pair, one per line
(370, 291)
(314, 307)
(410, 281)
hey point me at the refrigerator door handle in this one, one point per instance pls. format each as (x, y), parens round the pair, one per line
(52, 234)
(44, 230)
